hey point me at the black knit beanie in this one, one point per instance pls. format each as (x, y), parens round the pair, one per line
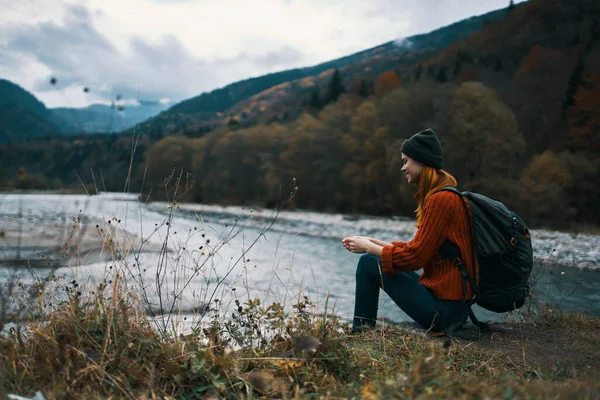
(425, 147)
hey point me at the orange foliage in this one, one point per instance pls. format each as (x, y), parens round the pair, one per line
(467, 74)
(539, 57)
(326, 73)
(386, 82)
(584, 119)
(309, 81)
(357, 85)
(275, 88)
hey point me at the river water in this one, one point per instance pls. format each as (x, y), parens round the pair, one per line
(228, 253)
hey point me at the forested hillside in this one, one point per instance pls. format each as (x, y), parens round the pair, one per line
(230, 104)
(22, 116)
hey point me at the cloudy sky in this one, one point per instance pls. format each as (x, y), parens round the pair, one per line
(176, 49)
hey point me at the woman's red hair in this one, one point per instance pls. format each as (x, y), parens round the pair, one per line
(431, 180)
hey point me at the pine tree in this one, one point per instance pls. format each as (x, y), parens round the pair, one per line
(442, 76)
(363, 91)
(511, 5)
(431, 72)
(315, 99)
(418, 72)
(574, 82)
(336, 87)
(457, 68)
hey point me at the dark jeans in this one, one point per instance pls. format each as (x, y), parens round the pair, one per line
(417, 301)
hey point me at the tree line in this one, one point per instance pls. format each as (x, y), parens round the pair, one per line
(346, 158)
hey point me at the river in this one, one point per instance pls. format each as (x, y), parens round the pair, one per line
(228, 253)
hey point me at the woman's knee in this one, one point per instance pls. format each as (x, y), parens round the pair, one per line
(367, 264)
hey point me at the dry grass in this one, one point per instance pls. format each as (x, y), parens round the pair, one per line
(106, 348)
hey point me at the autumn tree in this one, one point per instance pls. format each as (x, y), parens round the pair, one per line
(297, 157)
(26, 181)
(466, 74)
(538, 93)
(359, 146)
(328, 156)
(227, 174)
(360, 87)
(386, 82)
(268, 144)
(408, 110)
(483, 147)
(258, 175)
(583, 194)
(203, 166)
(543, 190)
(584, 118)
(170, 158)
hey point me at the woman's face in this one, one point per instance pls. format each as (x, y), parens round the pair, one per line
(412, 169)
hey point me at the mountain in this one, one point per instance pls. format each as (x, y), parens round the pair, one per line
(100, 118)
(541, 57)
(207, 109)
(22, 115)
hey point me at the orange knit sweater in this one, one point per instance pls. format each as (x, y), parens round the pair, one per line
(445, 218)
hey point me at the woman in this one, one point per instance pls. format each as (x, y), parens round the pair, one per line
(433, 299)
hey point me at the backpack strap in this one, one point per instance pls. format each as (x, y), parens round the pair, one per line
(466, 305)
(450, 251)
(449, 189)
(483, 326)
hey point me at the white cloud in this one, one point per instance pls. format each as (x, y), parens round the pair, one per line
(177, 49)
(403, 42)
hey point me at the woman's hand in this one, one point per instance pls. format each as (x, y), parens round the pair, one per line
(357, 244)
